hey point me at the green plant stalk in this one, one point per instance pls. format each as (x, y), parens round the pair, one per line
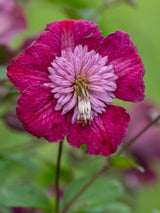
(58, 175)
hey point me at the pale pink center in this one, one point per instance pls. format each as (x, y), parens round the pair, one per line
(82, 82)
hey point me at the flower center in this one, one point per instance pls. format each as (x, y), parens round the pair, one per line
(82, 83)
(81, 87)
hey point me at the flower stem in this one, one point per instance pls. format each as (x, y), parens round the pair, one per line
(57, 176)
(108, 165)
(139, 134)
(85, 187)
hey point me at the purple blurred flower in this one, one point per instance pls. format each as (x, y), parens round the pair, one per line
(146, 149)
(22, 210)
(12, 121)
(25, 210)
(12, 21)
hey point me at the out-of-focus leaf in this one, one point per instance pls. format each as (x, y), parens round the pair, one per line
(5, 169)
(72, 14)
(109, 208)
(23, 161)
(4, 209)
(23, 196)
(3, 71)
(102, 191)
(124, 163)
(48, 175)
(10, 95)
(76, 4)
(66, 175)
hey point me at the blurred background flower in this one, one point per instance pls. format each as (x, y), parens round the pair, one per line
(12, 21)
(146, 149)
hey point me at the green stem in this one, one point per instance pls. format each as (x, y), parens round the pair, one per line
(57, 176)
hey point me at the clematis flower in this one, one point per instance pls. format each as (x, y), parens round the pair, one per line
(146, 149)
(12, 21)
(68, 79)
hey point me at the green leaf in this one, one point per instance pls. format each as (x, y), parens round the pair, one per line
(5, 169)
(23, 161)
(125, 163)
(111, 208)
(23, 196)
(102, 191)
(4, 209)
(76, 4)
(3, 71)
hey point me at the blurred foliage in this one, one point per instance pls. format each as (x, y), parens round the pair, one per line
(104, 194)
(28, 165)
(124, 163)
(23, 195)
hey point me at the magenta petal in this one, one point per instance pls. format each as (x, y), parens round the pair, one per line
(104, 134)
(74, 32)
(36, 111)
(30, 67)
(122, 54)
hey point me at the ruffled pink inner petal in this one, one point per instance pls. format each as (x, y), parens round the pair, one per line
(104, 134)
(36, 111)
(122, 54)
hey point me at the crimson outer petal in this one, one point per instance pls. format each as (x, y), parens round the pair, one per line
(36, 111)
(122, 54)
(104, 134)
(31, 67)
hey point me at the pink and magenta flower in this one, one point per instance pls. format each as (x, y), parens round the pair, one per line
(68, 79)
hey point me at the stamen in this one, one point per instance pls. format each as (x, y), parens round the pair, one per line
(84, 108)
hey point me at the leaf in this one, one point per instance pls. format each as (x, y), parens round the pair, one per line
(4, 209)
(125, 163)
(76, 4)
(109, 208)
(5, 169)
(101, 192)
(23, 161)
(3, 71)
(23, 196)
